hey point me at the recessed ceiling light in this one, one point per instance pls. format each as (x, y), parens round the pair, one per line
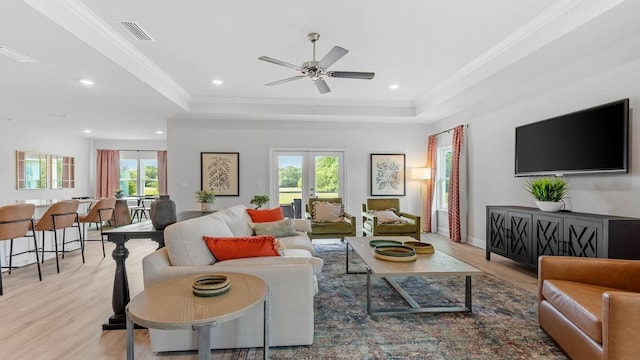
(159, 132)
(87, 82)
(217, 82)
(87, 131)
(394, 86)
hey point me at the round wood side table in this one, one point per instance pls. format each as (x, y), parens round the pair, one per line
(171, 305)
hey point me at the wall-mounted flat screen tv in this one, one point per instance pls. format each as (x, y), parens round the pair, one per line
(594, 140)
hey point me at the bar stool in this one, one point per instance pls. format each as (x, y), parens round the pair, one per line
(59, 216)
(100, 212)
(16, 221)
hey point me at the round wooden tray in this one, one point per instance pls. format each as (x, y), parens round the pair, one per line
(395, 253)
(420, 247)
(210, 285)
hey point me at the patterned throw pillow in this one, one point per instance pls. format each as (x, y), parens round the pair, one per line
(324, 211)
(225, 248)
(387, 217)
(277, 229)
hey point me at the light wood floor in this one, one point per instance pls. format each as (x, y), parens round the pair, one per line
(61, 317)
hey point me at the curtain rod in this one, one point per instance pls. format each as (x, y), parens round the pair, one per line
(139, 150)
(449, 130)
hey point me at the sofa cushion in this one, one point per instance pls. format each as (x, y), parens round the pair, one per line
(341, 227)
(406, 228)
(237, 219)
(299, 241)
(278, 229)
(302, 225)
(581, 303)
(184, 239)
(225, 248)
(324, 211)
(289, 257)
(265, 215)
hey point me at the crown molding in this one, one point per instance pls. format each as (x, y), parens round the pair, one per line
(300, 107)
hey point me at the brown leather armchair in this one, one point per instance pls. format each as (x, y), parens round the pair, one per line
(590, 307)
(371, 226)
(329, 229)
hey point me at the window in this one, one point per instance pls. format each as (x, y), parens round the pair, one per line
(306, 173)
(139, 173)
(443, 173)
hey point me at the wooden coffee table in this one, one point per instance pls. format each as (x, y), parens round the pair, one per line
(171, 305)
(432, 265)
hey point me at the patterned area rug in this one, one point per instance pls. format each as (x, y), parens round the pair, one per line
(503, 324)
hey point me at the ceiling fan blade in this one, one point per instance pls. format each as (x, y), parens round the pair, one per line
(351, 75)
(332, 56)
(279, 62)
(285, 80)
(322, 86)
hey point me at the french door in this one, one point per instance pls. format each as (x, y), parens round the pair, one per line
(305, 174)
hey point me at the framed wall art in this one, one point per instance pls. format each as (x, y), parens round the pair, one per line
(220, 172)
(388, 175)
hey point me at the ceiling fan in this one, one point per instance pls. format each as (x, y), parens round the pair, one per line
(317, 70)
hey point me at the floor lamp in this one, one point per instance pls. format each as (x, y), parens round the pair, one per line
(423, 174)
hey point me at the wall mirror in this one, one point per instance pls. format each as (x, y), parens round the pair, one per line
(63, 174)
(31, 170)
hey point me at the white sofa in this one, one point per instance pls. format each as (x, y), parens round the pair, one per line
(291, 279)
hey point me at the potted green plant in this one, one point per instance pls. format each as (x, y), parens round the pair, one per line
(118, 193)
(259, 200)
(548, 193)
(206, 198)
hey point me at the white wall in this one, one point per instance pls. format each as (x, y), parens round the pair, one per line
(491, 142)
(254, 140)
(14, 136)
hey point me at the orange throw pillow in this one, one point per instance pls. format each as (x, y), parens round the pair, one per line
(266, 215)
(225, 248)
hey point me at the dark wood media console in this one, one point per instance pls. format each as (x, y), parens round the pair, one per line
(523, 234)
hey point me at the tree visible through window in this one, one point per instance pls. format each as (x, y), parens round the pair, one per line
(132, 184)
(443, 173)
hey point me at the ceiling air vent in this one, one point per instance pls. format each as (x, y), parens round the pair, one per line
(19, 57)
(136, 30)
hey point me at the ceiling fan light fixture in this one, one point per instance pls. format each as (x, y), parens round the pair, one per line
(316, 70)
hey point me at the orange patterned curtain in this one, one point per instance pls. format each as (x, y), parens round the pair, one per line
(454, 184)
(107, 173)
(427, 202)
(162, 172)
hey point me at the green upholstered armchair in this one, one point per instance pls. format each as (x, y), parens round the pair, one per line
(328, 229)
(371, 225)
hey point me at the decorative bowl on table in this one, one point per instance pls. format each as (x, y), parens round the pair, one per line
(420, 247)
(395, 253)
(381, 242)
(210, 285)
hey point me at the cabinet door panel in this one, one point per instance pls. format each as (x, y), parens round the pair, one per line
(496, 234)
(519, 237)
(582, 238)
(547, 235)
